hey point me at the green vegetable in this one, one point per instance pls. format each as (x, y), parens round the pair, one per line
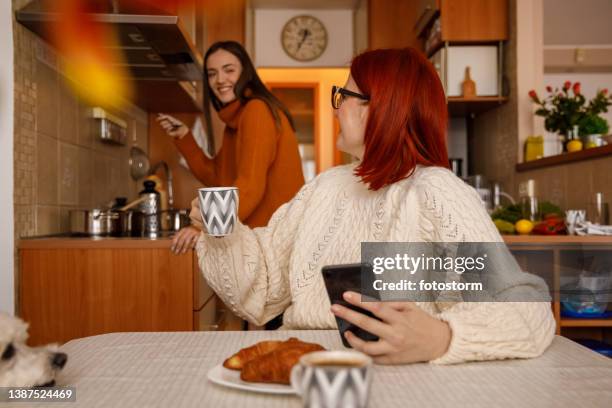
(504, 227)
(546, 207)
(512, 213)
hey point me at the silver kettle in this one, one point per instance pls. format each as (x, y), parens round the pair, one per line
(151, 208)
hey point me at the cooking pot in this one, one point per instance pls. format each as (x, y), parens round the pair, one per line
(174, 220)
(132, 223)
(94, 222)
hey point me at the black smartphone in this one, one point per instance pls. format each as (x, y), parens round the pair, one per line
(339, 279)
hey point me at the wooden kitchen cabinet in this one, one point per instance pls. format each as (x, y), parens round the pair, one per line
(461, 22)
(391, 22)
(560, 259)
(474, 20)
(302, 100)
(81, 287)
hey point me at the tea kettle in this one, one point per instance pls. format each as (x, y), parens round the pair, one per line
(150, 207)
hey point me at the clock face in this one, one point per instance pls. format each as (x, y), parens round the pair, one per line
(304, 38)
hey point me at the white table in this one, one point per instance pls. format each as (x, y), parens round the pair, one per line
(170, 369)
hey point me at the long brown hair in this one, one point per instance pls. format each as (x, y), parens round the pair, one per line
(249, 80)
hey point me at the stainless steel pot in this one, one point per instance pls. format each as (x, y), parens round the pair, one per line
(132, 223)
(174, 220)
(94, 222)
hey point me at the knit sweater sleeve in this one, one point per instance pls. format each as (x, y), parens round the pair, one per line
(249, 269)
(453, 212)
(203, 168)
(256, 151)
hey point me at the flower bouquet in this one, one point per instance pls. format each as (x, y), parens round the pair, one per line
(565, 108)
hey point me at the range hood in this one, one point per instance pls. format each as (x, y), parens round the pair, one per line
(161, 57)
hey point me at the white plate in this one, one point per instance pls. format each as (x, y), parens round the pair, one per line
(231, 378)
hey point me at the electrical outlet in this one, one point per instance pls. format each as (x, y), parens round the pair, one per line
(579, 55)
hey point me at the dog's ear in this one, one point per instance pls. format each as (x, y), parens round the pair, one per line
(8, 353)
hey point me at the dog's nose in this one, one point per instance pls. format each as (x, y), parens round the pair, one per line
(58, 360)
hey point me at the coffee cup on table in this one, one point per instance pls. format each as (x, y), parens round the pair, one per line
(219, 209)
(333, 379)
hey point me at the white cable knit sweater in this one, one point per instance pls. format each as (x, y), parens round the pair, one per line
(262, 272)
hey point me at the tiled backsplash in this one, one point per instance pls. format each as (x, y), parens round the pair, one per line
(573, 185)
(59, 165)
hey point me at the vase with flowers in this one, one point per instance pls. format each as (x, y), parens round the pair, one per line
(567, 109)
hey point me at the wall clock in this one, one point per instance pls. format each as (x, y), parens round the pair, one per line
(304, 38)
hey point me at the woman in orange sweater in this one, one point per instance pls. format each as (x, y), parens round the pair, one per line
(259, 154)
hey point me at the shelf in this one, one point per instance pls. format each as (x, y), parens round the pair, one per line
(568, 322)
(440, 44)
(566, 158)
(460, 106)
(557, 239)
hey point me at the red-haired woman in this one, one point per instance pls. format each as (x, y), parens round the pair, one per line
(392, 115)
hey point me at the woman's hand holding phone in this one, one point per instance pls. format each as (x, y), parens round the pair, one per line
(407, 334)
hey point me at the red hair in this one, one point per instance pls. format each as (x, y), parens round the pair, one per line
(407, 119)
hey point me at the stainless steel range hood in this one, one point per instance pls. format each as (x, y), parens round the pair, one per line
(156, 47)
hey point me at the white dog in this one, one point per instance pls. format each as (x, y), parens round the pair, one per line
(23, 366)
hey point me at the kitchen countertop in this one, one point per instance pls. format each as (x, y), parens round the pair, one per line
(87, 242)
(67, 241)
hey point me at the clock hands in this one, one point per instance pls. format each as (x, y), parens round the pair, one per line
(305, 34)
(304, 38)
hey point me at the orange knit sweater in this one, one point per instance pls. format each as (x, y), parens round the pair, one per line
(257, 157)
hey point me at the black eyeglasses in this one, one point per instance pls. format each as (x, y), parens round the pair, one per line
(338, 94)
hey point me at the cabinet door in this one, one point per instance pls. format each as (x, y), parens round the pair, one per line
(302, 100)
(71, 293)
(391, 23)
(474, 20)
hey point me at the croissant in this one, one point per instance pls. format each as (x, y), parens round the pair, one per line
(275, 367)
(238, 360)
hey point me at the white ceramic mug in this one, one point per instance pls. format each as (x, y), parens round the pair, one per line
(219, 209)
(333, 379)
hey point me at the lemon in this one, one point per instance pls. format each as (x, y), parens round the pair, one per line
(523, 227)
(574, 146)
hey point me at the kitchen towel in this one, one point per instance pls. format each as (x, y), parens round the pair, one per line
(588, 228)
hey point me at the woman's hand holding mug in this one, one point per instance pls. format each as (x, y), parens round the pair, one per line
(172, 125)
(195, 215)
(185, 239)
